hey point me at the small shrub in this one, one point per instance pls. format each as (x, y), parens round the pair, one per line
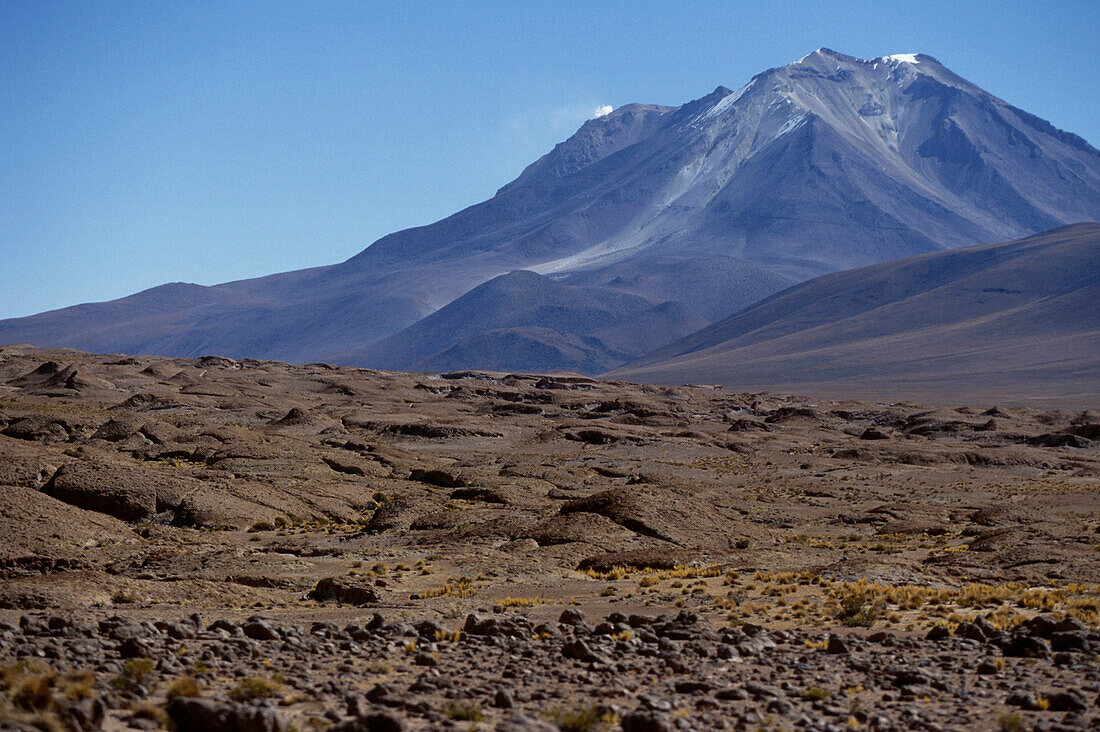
(122, 598)
(33, 691)
(252, 688)
(139, 668)
(815, 693)
(462, 587)
(79, 685)
(860, 610)
(1011, 722)
(183, 686)
(135, 673)
(463, 711)
(149, 710)
(586, 719)
(522, 601)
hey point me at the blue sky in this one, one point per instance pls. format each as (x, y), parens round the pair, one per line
(148, 142)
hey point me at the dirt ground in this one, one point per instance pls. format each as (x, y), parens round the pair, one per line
(220, 544)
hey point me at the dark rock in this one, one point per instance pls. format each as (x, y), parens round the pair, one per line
(580, 651)
(384, 694)
(429, 629)
(346, 467)
(837, 645)
(1041, 626)
(778, 706)
(494, 494)
(732, 693)
(761, 691)
(645, 721)
(969, 630)
(1022, 700)
(372, 721)
(691, 686)
(1069, 625)
(259, 630)
(637, 558)
(1025, 646)
(910, 677)
(440, 478)
(346, 591)
(205, 715)
(592, 436)
(40, 429)
(755, 645)
(503, 700)
(104, 490)
(85, 714)
(520, 722)
(396, 514)
(179, 631)
(938, 632)
(1074, 640)
(117, 429)
(1066, 701)
(571, 616)
(224, 625)
(135, 648)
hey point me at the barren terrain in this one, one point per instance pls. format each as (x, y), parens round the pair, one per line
(221, 544)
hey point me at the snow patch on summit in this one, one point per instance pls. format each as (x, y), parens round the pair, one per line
(908, 58)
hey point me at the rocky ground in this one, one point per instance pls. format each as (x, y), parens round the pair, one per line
(219, 544)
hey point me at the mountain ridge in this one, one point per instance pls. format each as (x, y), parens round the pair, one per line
(1013, 315)
(821, 165)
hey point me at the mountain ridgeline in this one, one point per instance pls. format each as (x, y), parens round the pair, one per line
(647, 224)
(997, 321)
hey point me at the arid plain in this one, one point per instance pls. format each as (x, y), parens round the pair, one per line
(220, 544)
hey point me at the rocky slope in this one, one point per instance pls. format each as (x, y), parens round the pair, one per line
(828, 163)
(1014, 321)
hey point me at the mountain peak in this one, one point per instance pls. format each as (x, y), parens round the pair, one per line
(826, 53)
(824, 164)
(913, 59)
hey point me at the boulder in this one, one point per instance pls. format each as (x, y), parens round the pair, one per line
(346, 591)
(205, 715)
(104, 489)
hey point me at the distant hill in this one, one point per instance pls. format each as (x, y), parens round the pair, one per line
(824, 164)
(1017, 321)
(526, 322)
